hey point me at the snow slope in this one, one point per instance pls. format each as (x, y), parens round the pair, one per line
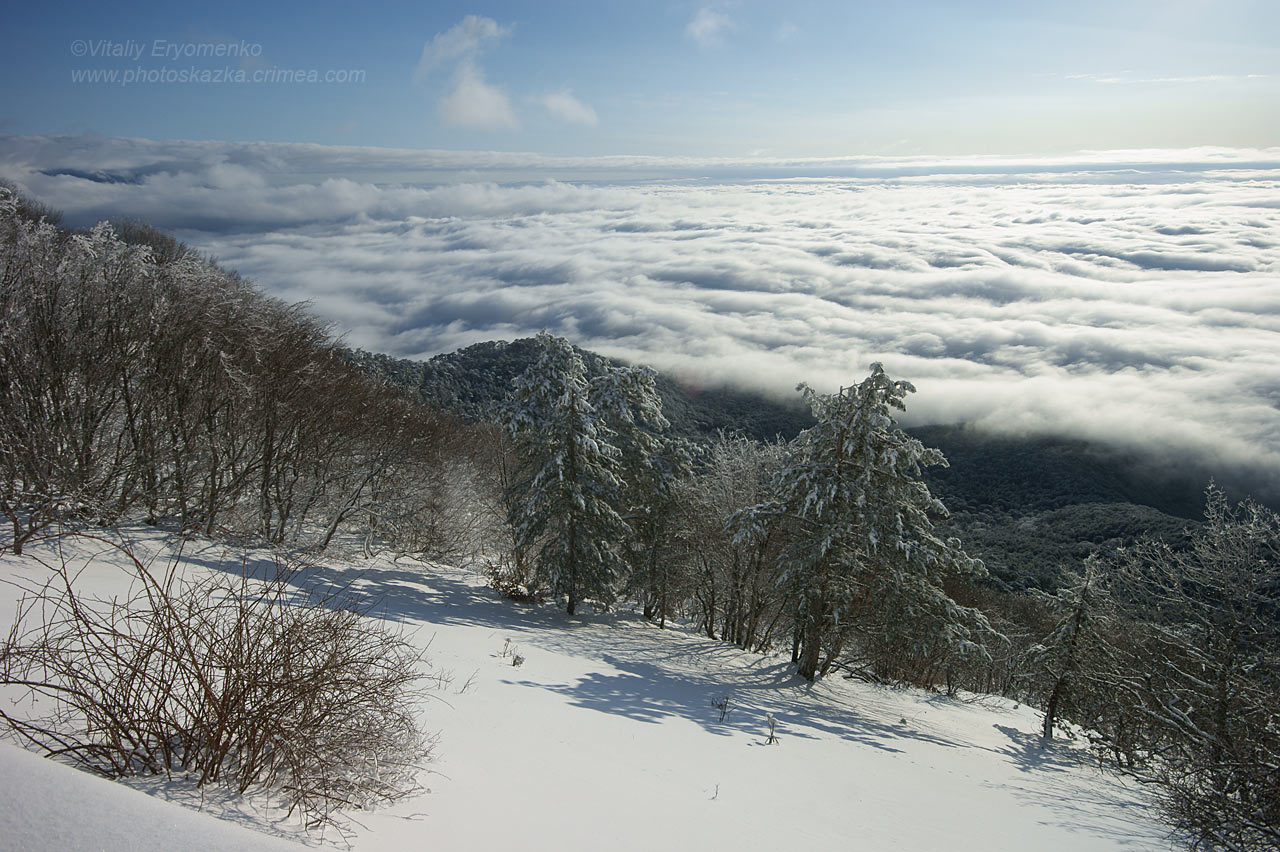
(47, 806)
(606, 738)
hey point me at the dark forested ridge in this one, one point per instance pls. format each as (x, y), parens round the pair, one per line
(1025, 504)
(475, 380)
(1029, 504)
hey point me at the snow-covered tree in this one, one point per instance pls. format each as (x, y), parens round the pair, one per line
(139, 380)
(1067, 660)
(564, 497)
(863, 556)
(654, 478)
(650, 464)
(1201, 663)
(733, 577)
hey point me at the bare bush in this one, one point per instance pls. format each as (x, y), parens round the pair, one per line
(228, 679)
(514, 580)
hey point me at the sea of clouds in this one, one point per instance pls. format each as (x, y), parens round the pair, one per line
(1131, 297)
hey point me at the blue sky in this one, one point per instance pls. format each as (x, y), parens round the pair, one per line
(804, 78)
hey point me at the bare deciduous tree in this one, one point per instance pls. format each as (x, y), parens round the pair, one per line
(1203, 670)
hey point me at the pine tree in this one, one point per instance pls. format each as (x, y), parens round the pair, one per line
(654, 477)
(863, 555)
(651, 464)
(565, 493)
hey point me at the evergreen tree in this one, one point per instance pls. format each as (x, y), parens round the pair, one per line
(651, 464)
(565, 494)
(654, 478)
(862, 554)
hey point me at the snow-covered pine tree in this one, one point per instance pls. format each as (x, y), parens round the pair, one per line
(862, 554)
(651, 464)
(653, 479)
(564, 495)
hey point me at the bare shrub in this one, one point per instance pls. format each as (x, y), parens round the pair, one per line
(514, 581)
(231, 680)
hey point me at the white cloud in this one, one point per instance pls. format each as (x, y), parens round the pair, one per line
(472, 101)
(566, 107)
(1128, 78)
(461, 42)
(476, 103)
(708, 27)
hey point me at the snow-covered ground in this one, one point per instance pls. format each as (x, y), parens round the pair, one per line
(606, 737)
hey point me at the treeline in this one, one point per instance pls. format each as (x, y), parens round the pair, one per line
(140, 380)
(476, 380)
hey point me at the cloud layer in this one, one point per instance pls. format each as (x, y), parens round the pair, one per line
(1128, 298)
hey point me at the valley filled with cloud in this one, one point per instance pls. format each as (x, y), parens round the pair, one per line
(1132, 297)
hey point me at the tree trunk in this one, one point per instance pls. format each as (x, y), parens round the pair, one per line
(811, 640)
(1051, 709)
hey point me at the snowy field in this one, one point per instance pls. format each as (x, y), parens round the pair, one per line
(606, 737)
